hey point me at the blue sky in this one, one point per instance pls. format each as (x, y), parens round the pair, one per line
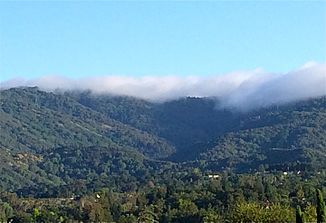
(136, 38)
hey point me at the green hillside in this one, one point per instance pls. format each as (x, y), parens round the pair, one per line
(183, 123)
(33, 120)
(36, 126)
(99, 158)
(280, 136)
(186, 129)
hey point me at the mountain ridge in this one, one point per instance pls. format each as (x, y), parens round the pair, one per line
(57, 138)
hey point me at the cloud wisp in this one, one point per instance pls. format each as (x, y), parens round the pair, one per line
(242, 90)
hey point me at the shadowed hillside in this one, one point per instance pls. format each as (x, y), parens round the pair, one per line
(53, 139)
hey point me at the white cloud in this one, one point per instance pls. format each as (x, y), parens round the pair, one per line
(242, 90)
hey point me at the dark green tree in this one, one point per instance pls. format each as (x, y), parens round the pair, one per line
(147, 216)
(6, 212)
(321, 209)
(299, 218)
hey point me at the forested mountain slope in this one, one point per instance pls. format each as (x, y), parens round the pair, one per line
(198, 125)
(293, 133)
(37, 121)
(185, 123)
(54, 139)
(277, 137)
(46, 137)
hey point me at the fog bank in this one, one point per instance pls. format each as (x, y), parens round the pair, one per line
(242, 90)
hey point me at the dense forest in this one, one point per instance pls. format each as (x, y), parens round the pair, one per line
(80, 157)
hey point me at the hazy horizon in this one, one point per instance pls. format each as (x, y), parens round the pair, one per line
(240, 89)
